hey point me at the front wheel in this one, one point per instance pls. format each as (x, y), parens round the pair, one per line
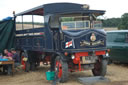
(61, 70)
(100, 67)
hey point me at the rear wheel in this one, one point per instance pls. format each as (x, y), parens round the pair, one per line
(61, 69)
(100, 67)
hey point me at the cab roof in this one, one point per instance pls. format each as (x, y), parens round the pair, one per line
(60, 8)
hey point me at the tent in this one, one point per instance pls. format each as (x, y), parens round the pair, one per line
(7, 34)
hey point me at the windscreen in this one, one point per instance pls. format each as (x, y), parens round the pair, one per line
(97, 24)
(117, 37)
(75, 23)
(79, 22)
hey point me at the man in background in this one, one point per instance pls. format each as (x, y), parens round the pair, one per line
(8, 55)
(15, 57)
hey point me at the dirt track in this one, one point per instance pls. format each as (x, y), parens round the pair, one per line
(118, 74)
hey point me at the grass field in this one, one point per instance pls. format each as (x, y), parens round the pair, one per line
(28, 26)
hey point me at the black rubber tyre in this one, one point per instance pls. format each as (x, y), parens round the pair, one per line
(100, 68)
(64, 69)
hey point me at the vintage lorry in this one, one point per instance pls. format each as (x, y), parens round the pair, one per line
(71, 39)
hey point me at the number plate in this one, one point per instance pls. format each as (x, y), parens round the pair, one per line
(86, 61)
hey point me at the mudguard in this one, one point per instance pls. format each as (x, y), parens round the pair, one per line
(62, 56)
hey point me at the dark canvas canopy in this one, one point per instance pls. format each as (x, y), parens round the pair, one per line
(59, 8)
(7, 34)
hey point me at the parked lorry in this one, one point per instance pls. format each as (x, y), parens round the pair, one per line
(72, 39)
(117, 42)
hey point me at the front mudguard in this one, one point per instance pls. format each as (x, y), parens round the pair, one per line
(53, 58)
(63, 57)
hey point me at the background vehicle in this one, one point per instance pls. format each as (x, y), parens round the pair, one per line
(71, 39)
(117, 42)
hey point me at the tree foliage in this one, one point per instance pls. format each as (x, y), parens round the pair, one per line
(121, 23)
(111, 22)
(124, 22)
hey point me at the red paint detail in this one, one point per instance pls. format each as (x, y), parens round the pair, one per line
(41, 33)
(59, 66)
(66, 53)
(76, 60)
(100, 53)
(23, 63)
(79, 54)
(75, 68)
(79, 66)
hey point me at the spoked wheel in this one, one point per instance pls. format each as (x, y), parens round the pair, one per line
(61, 70)
(100, 68)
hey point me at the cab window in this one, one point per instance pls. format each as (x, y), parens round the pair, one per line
(97, 24)
(74, 23)
(116, 37)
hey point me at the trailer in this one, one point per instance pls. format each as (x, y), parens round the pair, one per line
(71, 39)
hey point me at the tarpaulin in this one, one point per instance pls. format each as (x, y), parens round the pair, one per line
(7, 34)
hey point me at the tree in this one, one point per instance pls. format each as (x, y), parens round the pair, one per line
(124, 22)
(111, 22)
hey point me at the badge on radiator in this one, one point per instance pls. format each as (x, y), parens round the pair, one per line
(93, 37)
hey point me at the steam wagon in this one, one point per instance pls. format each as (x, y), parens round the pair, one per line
(70, 38)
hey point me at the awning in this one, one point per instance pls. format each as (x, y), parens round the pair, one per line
(60, 8)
